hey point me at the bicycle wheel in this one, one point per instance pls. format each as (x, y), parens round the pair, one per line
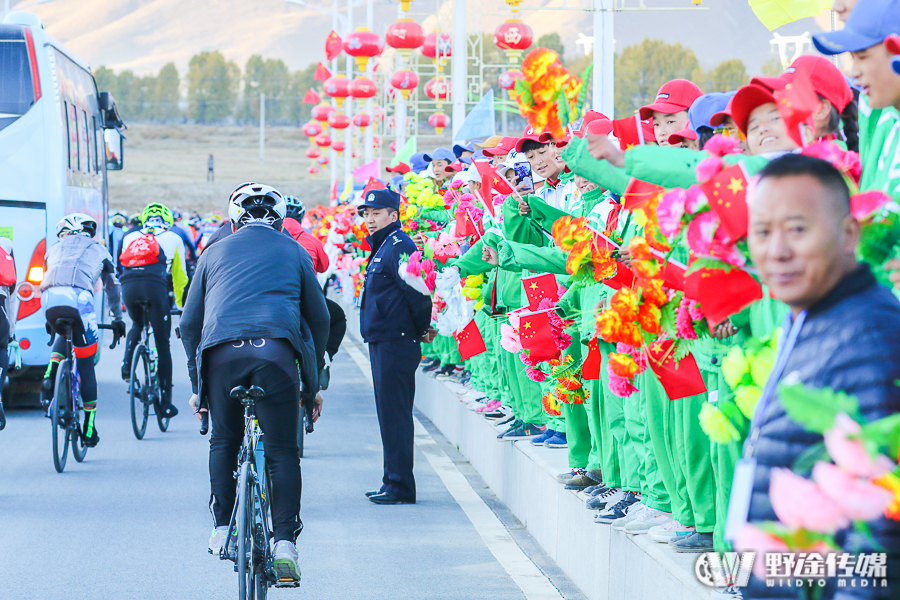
(246, 587)
(139, 390)
(79, 447)
(59, 415)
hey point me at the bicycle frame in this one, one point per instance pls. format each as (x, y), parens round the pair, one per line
(74, 380)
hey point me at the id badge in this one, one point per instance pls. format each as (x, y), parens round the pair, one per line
(741, 492)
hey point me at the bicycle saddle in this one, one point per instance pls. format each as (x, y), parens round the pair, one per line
(247, 397)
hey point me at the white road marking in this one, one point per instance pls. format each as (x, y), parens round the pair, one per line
(533, 583)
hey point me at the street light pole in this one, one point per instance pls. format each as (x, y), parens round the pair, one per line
(348, 132)
(370, 65)
(458, 68)
(603, 91)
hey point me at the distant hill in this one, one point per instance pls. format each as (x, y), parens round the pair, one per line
(142, 35)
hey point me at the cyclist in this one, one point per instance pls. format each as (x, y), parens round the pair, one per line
(74, 264)
(7, 287)
(149, 257)
(250, 314)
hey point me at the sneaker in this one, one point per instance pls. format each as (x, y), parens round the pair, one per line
(539, 440)
(647, 520)
(126, 373)
(593, 490)
(504, 428)
(501, 415)
(596, 475)
(618, 510)
(695, 542)
(557, 441)
(474, 406)
(664, 533)
(607, 498)
(635, 511)
(287, 567)
(729, 593)
(217, 540)
(89, 429)
(445, 372)
(432, 366)
(567, 476)
(519, 433)
(579, 482)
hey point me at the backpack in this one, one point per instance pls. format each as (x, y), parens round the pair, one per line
(7, 269)
(141, 252)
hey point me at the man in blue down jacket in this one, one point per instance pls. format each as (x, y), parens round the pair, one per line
(394, 319)
(846, 327)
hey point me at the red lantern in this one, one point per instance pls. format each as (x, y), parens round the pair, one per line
(509, 78)
(337, 87)
(363, 44)
(362, 120)
(322, 160)
(311, 130)
(321, 112)
(405, 81)
(323, 140)
(337, 146)
(513, 37)
(313, 153)
(438, 88)
(432, 48)
(362, 87)
(313, 169)
(405, 35)
(339, 120)
(439, 120)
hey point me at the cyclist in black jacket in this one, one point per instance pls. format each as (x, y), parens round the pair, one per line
(250, 316)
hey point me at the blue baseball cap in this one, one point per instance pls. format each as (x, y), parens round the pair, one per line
(869, 23)
(441, 154)
(381, 199)
(458, 149)
(700, 113)
(418, 162)
(396, 182)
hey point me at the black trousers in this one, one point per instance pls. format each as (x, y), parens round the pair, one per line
(270, 364)
(337, 328)
(157, 314)
(394, 364)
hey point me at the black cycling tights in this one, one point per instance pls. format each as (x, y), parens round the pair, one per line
(270, 364)
(337, 328)
(4, 341)
(155, 294)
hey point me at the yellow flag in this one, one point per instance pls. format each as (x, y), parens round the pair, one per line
(775, 13)
(348, 187)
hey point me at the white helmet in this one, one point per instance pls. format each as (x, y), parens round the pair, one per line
(256, 203)
(77, 223)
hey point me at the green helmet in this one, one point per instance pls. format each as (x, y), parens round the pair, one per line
(295, 208)
(156, 209)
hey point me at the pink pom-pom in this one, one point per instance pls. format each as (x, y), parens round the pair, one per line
(694, 199)
(427, 266)
(720, 145)
(708, 168)
(430, 280)
(458, 183)
(620, 386)
(535, 375)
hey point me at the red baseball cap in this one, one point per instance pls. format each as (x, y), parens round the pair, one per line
(680, 136)
(506, 145)
(892, 43)
(826, 79)
(629, 134)
(401, 168)
(745, 100)
(674, 96)
(719, 118)
(530, 134)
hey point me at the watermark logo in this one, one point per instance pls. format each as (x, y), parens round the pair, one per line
(725, 569)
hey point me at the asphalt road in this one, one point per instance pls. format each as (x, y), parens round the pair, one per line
(132, 522)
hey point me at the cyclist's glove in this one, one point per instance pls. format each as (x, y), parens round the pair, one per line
(118, 328)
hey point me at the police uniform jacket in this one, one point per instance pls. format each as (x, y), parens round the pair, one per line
(389, 308)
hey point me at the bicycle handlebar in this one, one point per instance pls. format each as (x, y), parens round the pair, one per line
(115, 333)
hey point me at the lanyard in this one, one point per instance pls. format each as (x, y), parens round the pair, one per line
(768, 393)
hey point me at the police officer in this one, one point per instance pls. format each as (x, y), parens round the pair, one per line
(394, 319)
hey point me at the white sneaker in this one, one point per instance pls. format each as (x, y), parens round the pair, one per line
(217, 540)
(670, 530)
(287, 567)
(634, 511)
(475, 405)
(648, 519)
(729, 593)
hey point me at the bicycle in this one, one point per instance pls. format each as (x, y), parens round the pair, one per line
(143, 388)
(66, 409)
(250, 533)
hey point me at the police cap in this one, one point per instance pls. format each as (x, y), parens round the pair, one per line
(381, 199)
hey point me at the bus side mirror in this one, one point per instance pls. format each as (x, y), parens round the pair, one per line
(115, 145)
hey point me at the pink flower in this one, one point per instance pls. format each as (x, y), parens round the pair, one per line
(684, 324)
(850, 454)
(670, 211)
(514, 319)
(694, 310)
(620, 386)
(427, 266)
(864, 204)
(708, 167)
(414, 267)
(704, 238)
(527, 360)
(430, 279)
(859, 499)
(456, 184)
(509, 339)
(535, 375)
(799, 502)
(694, 199)
(751, 538)
(720, 145)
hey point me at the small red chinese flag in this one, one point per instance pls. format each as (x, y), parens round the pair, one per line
(638, 193)
(491, 181)
(322, 73)
(727, 195)
(537, 336)
(312, 97)
(797, 103)
(680, 380)
(373, 184)
(333, 45)
(469, 341)
(538, 287)
(624, 277)
(465, 226)
(590, 369)
(720, 293)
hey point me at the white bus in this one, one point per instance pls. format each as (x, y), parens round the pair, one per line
(58, 138)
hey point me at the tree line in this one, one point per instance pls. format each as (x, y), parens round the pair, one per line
(215, 89)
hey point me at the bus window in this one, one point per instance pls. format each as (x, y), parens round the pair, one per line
(68, 133)
(17, 91)
(96, 144)
(114, 149)
(76, 139)
(85, 136)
